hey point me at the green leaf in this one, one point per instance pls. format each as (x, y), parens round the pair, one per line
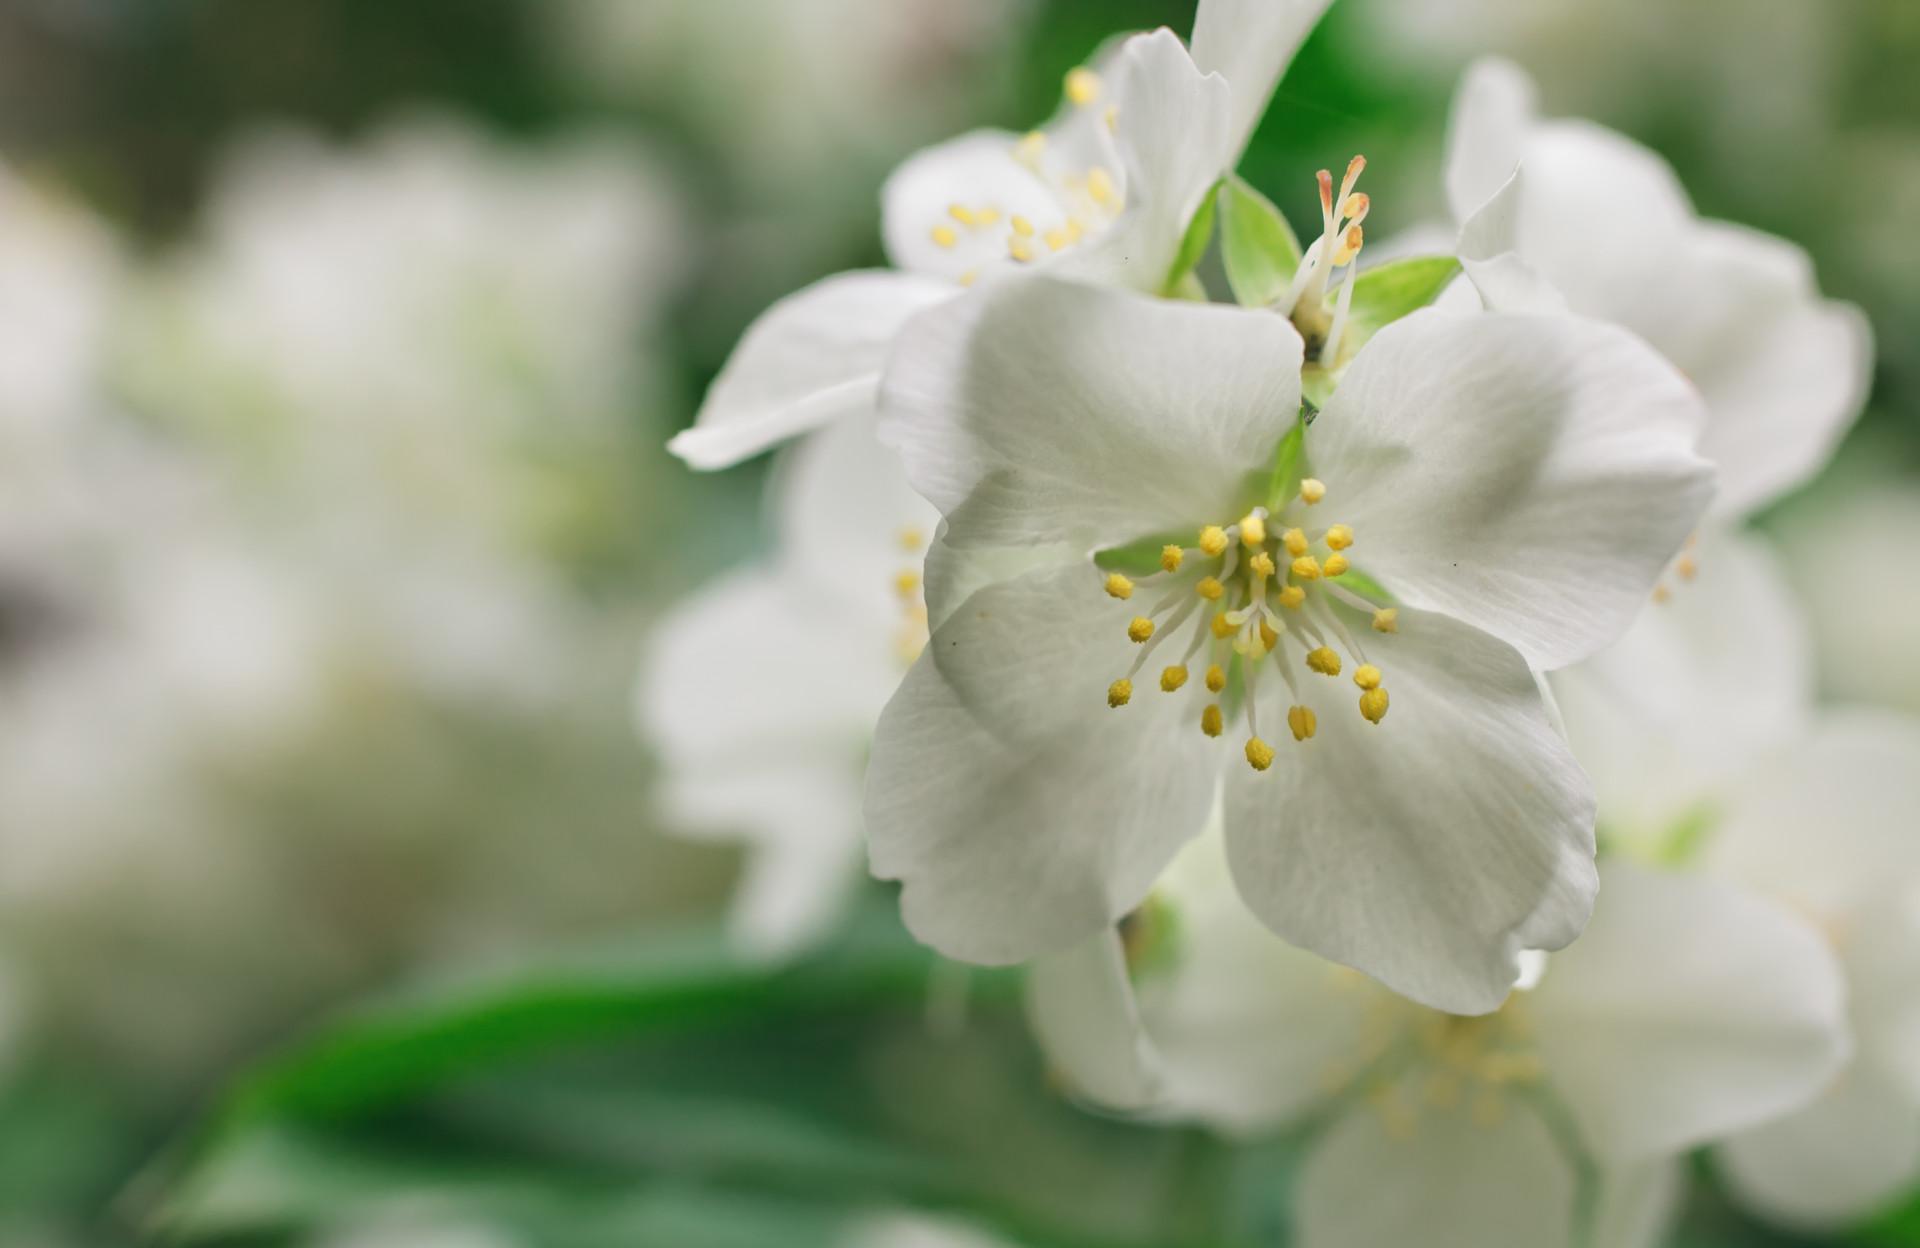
(1193, 245)
(1284, 479)
(1382, 296)
(1257, 245)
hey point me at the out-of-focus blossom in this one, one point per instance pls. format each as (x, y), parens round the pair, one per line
(907, 1230)
(761, 692)
(1428, 846)
(1103, 192)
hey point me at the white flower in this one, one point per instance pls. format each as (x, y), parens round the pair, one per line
(761, 692)
(1605, 222)
(1688, 1009)
(910, 1230)
(1512, 483)
(1104, 191)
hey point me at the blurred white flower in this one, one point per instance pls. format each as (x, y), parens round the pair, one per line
(912, 1230)
(761, 691)
(1103, 192)
(1687, 1010)
(1427, 846)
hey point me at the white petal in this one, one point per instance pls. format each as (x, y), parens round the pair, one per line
(976, 171)
(1040, 410)
(1488, 250)
(1530, 475)
(811, 358)
(1701, 685)
(1430, 849)
(1020, 812)
(954, 573)
(1250, 43)
(1493, 110)
(1828, 824)
(1451, 1184)
(1843, 1158)
(1880, 948)
(1083, 1013)
(1639, 1203)
(1689, 1009)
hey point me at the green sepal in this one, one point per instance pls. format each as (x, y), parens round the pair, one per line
(1193, 245)
(1257, 246)
(1383, 295)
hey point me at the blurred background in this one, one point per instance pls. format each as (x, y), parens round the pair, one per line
(339, 340)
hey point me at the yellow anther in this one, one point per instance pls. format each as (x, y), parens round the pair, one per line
(1213, 539)
(963, 214)
(1018, 248)
(944, 236)
(986, 216)
(1075, 228)
(1118, 586)
(1301, 720)
(1259, 754)
(1211, 722)
(1222, 626)
(1082, 85)
(1268, 637)
(1295, 541)
(1261, 564)
(1172, 678)
(1355, 206)
(1339, 537)
(970, 277)
(1022, 226)
(1386, 620)
(1661, 594)
(1367, 676)
(1253, 529)
(1100, 186)
(1312, 490)
(1171, 558)
(1350, 246)
(912, 538)
(1057, 239)
(1216, 679)
(1686, 567)
(1140, 629)
(1292, 596)
(906, 583)
(1373, 704)
(1322, 659)
(1307, 568)
(1119, 693)
(1209, 588)
(1335, 565)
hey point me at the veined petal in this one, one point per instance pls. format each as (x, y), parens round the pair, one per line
(1084, 1016)
(1689, 1009)
(1040, 410)
(977, 174)
(1488, 249)
(1250, 43)
(1439, 1180)
(1021, 813)
(954, 573)
(1430, 849)
(1531, 475)
(811, 358)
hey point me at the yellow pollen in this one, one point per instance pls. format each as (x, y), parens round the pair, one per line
(1661, 594)
(1312, 490)
(969, 277)
(1222, 626)
(1100, 185)
(1259, 754)
(1210, 721)
(944, 236)
(1209, 588)
(1261, 564)
(906, 583)
(1083, 85)
(1172, 678)
(1301, 720)
(1686, 567)
(1349, 246)
(1253, 529)
(1022, 226)
(1268, 637)
(1057, 240)
(1119, 693)
(912, 538)
(1075, 228)
(1339, 537)
(1322, 659)
(1018, 248)
(1373, 704)
(1292, 596)
(1386, 620)
(1213, 539)
(1216, 679)
(1335, 565)
(962, 214)
(1119, 586)
(1140, 629)
(1171, 557)
(986, 216)
(1295, 541)
(1307, 568)
(1367, 676)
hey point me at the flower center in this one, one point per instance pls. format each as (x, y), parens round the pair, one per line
(910, 635)
(1254, 594)
(1084, 197)
(1317, 311)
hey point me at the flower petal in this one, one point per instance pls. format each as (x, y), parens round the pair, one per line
(1041, 410)
(1493, 109)
(1430, 849)
(1250, 43)
(1021, 813)
(1082, 1010)
(974, 172)
(1689, 1009)
(1450, 1183)
(811, 358)
(1639, 1203)
(1487, 248)
(1531, 475)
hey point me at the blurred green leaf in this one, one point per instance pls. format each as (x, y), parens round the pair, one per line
(1193, 244)
(1383, 295)
(1257, 245)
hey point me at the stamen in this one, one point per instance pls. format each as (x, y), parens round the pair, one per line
(912, 538)
(1307, 568)
(1100, 186)
(1022, 226)
(1302, 722)
(1269, 636)
(1386, 620)
(1261, 565)
(943, 236)
(1172, 678)
(1324, 660)
(1340, 536)
(1336, 565)
(1253, 528)
(1082, 85)
(1312, 490)
(906, 583)
(1213, 539)
(962, 214)
(1216, 678)
(1018, 249)
(1057, 239)
(1139, 629)
(1223, 626)
(1209, 588)
(1119, 693)
(1259, 754)
(1295, 541)
(1211, 721)
(1373, 704)
(1171, 557)
(1292, 596)
(1367, 676)
(1118, 586)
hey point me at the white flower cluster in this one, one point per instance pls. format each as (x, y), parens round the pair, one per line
(1359, 702)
